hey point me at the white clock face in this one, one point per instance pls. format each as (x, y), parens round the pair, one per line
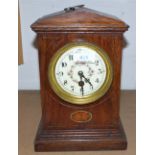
(80, 71)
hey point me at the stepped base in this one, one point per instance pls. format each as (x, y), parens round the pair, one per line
(80, 140)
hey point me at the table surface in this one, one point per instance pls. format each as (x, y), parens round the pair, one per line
(30, 114)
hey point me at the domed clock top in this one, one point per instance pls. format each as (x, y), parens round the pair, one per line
(80, 18)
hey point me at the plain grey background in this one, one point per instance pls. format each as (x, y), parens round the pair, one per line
(31, 10)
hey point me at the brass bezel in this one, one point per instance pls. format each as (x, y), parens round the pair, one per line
(72, 98)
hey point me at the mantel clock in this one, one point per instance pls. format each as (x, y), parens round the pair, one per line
(80, 54)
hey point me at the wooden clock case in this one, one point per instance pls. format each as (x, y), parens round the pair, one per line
(57, 131)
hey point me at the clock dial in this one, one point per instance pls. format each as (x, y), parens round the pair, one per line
(80, 73)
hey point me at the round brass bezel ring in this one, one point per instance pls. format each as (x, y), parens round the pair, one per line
(72, 98)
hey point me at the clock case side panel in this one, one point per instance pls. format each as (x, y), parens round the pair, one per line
(117, 48)
(41, 45)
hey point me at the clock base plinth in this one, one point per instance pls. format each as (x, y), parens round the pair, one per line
(80, 140)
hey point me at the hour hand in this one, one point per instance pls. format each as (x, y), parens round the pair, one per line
(87, 80)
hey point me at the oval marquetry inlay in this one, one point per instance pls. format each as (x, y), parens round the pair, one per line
(81, 116)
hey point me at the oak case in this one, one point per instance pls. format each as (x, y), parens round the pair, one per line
(57, 132)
